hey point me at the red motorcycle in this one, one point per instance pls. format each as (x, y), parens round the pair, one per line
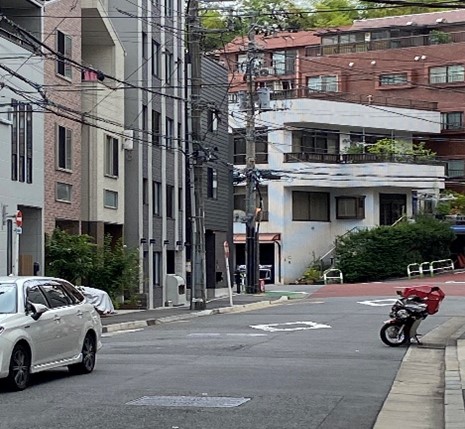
(413, 306)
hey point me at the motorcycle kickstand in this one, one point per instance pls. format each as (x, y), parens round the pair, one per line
(418, 339)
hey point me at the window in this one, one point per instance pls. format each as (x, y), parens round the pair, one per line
(169, 200)
(169, 67)
(323, 83)
(64, 148)
(315, 141)
(111, 156)
(21, 142)
(283, 62)
(212, 120)
(110, 199)
(452, 121)
(156, 195)
(169, 7)
(455, 168)
(180, 200)
(180, 70)
(145, 118)
(261, 146)
(72, 292)
(212, 183)
(144, 45)
(56, 296)
(169, 133)
(310, 206)
(63, 192)
(447, 74)
(156, 268)
(155, 58)
(64, 46)
(155, 128)
(35, 296)
(145, 197)
(393, 79)
(350, 207)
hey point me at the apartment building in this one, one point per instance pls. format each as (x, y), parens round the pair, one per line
(322, 98)
(21, 137)
(62, 80)
(105, 144)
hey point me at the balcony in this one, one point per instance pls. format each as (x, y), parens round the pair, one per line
(358, 158)
(385, 44)
(367, 99)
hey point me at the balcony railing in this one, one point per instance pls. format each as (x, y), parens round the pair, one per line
(8, 32)
(358, 158)
(378, 45)
(355, 98)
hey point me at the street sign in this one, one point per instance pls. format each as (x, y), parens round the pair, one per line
(19, 218)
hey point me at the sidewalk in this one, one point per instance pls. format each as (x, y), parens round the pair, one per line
(135, 319)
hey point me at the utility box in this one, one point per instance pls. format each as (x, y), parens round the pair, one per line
(175, 290)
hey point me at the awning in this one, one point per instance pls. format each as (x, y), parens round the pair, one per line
(264, 237)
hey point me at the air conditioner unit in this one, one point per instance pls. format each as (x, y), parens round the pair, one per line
(128, 142)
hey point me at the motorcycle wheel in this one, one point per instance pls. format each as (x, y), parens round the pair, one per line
(390, 334)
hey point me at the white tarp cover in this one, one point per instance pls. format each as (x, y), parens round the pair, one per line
(99, 299)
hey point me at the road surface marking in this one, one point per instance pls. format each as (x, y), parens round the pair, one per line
(217, 334)
(290, 326)
(124, 331)
(379, 302)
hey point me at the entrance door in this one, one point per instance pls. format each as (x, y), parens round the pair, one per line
(391, 208)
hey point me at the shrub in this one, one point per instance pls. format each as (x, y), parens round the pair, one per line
(384, 252)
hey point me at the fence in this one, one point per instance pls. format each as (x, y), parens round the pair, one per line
(430, 268)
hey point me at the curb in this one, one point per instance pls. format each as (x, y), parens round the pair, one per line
(137, 324)
(454, 382)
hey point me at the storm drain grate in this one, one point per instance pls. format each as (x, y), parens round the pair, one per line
(189, 401)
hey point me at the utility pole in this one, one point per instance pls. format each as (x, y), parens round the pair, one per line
(251, 247)
(198, 286)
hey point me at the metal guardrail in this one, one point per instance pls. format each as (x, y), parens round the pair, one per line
(333, 274)
(430, 268)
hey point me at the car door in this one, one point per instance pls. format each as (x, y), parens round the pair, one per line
(44, 333)
(78, 317)
(61, 304)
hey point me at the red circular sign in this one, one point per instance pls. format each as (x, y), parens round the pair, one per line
(19, 218)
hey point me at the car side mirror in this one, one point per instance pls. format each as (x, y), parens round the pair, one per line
(37, 310)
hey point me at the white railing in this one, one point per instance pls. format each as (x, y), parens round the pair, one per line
(430, 268)
(333, 274)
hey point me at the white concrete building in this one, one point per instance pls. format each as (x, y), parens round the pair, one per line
(323, 192)
(21, 138)
(104, 145)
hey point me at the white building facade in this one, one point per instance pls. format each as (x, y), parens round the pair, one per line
(21, 139)
(319, 190)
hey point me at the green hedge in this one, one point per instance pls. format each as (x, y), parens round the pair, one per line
(384, 252)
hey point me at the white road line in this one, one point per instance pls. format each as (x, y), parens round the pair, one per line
(111, 334)
(379, 302)
(290, 326)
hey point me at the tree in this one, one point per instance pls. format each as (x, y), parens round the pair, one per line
(382, 9)
(334, 13)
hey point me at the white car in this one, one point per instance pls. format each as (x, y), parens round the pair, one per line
(45, 323)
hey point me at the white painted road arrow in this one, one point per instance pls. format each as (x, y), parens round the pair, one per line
(290, 326)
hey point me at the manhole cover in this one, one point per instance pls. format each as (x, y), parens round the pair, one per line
(189, 401)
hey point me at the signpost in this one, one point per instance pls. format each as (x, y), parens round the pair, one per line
(19, 231)
(228, 273)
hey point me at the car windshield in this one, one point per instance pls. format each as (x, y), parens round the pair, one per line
(8, 298)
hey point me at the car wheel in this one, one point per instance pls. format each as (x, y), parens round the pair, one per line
(20, 368)
(89, 350)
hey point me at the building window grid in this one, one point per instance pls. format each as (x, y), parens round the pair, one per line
(393, 79)
(169, 138)
(155, 58)
(64, 148)
(452, 121)
(212, 183)
(169, 201)
(21, 142)
(261, 146)
(111, 156)
(110, 199)
(310, 206)
(350, 207)
(169, 67)
(156, 129)
(63, 192)
(323, 83)
(156, 195)
(64, 49)
(447, 74)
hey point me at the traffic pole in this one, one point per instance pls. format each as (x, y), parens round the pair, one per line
(19, 231)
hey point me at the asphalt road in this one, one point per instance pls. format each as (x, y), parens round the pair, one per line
(218, 372)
